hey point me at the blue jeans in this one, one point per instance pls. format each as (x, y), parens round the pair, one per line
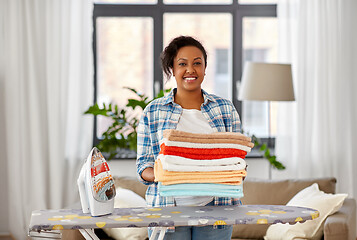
(199, 232)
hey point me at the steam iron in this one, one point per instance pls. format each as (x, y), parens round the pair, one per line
(96, 185)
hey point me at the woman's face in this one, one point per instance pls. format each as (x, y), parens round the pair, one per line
(189, 68)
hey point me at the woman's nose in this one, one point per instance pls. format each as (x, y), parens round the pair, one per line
(190, 69)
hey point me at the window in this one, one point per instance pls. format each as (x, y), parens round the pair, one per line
(130, 35)
(120, 61)
(258, 47)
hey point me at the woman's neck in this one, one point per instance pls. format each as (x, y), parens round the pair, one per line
(189, 100)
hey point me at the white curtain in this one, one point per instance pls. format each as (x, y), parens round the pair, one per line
(47, 76)
(317, 134)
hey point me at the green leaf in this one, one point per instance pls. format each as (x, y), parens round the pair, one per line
(96, 110)
(162, 93)
(136, 92)
(267, 153)
(263, 147)
(133, 103)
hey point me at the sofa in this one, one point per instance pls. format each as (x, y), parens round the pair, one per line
(338, 226)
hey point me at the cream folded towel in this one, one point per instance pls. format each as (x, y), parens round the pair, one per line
(209, 140)
(215, 135)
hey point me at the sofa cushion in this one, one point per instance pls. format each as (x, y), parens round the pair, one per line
(249, 231)
(279, 192)
(310, 197)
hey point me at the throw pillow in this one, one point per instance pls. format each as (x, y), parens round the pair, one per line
(126, 198)
(310, 197)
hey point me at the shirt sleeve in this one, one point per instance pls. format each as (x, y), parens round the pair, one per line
(145, 157)
(236, 123)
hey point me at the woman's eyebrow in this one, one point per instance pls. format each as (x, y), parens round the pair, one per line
(199, 58)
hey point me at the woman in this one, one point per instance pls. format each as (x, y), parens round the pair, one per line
(187, 108)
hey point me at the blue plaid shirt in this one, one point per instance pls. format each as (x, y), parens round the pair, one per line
(164, 113)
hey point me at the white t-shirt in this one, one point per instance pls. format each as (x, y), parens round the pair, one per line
(193, 121)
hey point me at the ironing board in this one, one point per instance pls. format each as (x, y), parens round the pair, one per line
(43, 222)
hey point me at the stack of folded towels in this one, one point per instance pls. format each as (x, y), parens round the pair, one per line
(192, 164)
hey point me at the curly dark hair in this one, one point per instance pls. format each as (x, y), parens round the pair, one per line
(170, 52)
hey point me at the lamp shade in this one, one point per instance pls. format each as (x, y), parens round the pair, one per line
(266, 82)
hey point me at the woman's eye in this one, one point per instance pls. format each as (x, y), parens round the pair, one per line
(182, 64)
(197, 63)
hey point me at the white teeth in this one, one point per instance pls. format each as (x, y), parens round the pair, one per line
(189, 79)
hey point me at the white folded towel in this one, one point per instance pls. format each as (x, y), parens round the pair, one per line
(181, 164)
(188, 161)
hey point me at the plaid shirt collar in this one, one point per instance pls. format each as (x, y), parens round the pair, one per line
(171, 97)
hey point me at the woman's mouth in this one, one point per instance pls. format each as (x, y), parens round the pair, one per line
(189, 79)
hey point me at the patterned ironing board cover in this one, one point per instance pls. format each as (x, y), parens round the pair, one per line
(170, 216)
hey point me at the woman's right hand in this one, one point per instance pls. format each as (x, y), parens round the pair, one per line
(148, 174)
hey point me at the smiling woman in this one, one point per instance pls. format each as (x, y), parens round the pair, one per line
(187, 108)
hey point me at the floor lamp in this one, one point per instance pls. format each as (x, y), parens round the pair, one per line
(266, 82)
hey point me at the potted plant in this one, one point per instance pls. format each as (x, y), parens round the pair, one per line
(121, 134)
